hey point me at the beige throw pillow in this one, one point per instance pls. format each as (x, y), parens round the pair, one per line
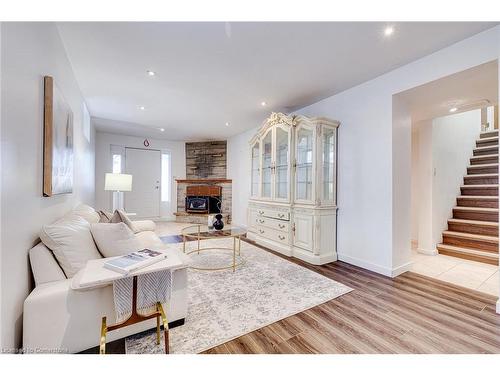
(71, 242)
(87, 212)
(114, 239)
(105, 217)
(121, 216)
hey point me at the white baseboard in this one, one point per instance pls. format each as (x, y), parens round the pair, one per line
(401, 269)
(498, 306)
(427, 251)
(366, 265)
(375, 267)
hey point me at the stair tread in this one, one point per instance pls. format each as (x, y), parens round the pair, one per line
(478, 197)
(484, 156)
(486, 147)
(485, 209)
(479, 166)
(480, 186)
(470, 251)
(471, 236)
(474, 222)
(479, 175)
(489, 139)
(488, 132)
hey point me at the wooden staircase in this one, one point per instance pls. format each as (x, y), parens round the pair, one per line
(473, 231)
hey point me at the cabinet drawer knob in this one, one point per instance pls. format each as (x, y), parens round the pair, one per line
(281, 226)
(261, 221)
(281, 216)
(261, 212)
(281, 237)
(261, 231)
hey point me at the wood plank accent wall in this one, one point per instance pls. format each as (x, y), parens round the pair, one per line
(206, 160)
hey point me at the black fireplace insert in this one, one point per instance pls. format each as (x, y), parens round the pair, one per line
(203, 204)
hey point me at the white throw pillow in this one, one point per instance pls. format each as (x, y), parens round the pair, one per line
(72, 243)
(87, 212)
(114, 239)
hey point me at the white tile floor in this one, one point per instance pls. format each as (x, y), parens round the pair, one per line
(469, 274)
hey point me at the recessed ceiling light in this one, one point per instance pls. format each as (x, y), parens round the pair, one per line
(454, 109)
(389, 30)
(162, 130)
(227, 123)
(263, 104)
(142, 108)
(150, 73)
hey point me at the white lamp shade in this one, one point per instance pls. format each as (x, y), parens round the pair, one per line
(118, 182)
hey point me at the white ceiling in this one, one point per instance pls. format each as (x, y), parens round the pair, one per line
(212, 73)
(470, 89)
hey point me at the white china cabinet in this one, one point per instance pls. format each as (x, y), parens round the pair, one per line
(293, 206)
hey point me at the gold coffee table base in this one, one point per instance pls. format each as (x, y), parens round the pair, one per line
(236, 250)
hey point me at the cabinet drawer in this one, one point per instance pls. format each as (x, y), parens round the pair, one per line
(279, 225)
(272, 234)
(273, 214)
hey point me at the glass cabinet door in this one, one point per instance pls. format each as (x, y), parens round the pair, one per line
(304, 164)
(255, 169)
(328, 159)
(266, 151)
(281, 164)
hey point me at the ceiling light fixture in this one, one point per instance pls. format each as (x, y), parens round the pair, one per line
(227, 123)
(389, 30)
(142, 108)
(150, 73)
(263, 104)
(162, 130)
(454, 109)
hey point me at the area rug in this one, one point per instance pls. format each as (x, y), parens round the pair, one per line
(224, 305)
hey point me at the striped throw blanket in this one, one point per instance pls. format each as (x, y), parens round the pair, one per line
(151, 288)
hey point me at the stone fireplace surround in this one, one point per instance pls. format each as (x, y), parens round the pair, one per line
(184, 217)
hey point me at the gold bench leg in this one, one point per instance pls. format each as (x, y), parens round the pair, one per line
(104, 330)
(165, 327)
(157, 330)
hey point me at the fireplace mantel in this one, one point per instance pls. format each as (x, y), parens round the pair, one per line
(204, 181)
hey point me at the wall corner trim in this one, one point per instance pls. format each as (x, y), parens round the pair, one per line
(401, 269)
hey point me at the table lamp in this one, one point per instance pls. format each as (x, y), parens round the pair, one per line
(117, 182)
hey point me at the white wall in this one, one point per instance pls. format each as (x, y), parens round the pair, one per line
(453, 140)
(104, 165)
(369, 148)
(238, 169)
(30, 51)
(444, 148)
(414, 184)
(424, 182)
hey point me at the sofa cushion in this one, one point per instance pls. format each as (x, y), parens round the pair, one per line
(149, 240)
(72, 243)
(144, 225)
(114, 239)
(87, 212)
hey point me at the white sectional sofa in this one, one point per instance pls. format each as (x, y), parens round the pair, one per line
(59, 319)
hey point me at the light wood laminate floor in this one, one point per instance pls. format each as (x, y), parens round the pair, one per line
(408, 314)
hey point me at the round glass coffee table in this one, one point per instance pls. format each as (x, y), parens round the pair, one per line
(200, 232)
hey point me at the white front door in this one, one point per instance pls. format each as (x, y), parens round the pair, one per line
(145, 168)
